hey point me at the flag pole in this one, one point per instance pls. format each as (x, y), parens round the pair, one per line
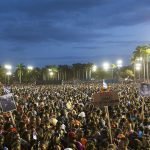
(12, 118)
(107, 111)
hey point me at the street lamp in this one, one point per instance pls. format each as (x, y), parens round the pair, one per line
(8, 67)
(8, 73)
(139, 59)
(138, 68)
(30, 68)
(119, 63)
(106, 66)
(51, 74)
(94, 68)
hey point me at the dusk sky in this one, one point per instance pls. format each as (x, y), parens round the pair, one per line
(44, 32)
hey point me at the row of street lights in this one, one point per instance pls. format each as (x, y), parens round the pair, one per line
(119, 63)
(107, 66)
(9, 71)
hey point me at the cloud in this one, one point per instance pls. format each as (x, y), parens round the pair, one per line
(38, 6)
(67, 20)
(45, 26)
(87, 47)
(116, 14)
(17, 49)
(46, 33)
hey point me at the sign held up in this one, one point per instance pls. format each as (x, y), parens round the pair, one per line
(7, 102)
(108, 98)
(145, 89)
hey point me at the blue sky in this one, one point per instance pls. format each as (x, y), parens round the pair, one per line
(43, 32)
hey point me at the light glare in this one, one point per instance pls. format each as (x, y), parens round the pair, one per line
(8, 67)
(30, 67)
(138, 66)
(94, 68)
(106, 66)
(8, 73)
(119, 63)
(51, 73)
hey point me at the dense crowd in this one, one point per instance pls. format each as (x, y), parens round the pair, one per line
(63, 117)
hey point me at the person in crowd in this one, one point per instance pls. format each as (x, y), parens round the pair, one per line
(63, 117)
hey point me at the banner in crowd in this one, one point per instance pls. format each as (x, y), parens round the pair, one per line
(7, 89)
(144, 89)
(7, 102)
(106, 98)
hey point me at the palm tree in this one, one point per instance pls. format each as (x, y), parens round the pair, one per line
(144, 52)
(54, 69)
(136, 55)
(44, 73)
(113, 66)
(75, 71)
(147, 54)
(84, 67)
(64, 72)
(36, 74)
(89, 70)
(20, 69)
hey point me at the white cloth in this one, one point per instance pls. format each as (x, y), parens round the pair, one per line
(82, 114)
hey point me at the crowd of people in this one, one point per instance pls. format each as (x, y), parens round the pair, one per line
(64, 117)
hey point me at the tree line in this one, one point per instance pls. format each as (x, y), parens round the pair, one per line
(80, 71)
(22, 74)
(141, 57)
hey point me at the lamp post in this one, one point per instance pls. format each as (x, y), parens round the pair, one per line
(138, 68)
(119, 65)
(8, 75)
(94, 68)
(8, 68)
(106, 66)
(30, 68)
(51, 73)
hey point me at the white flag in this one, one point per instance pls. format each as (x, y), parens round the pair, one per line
(104, 84)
